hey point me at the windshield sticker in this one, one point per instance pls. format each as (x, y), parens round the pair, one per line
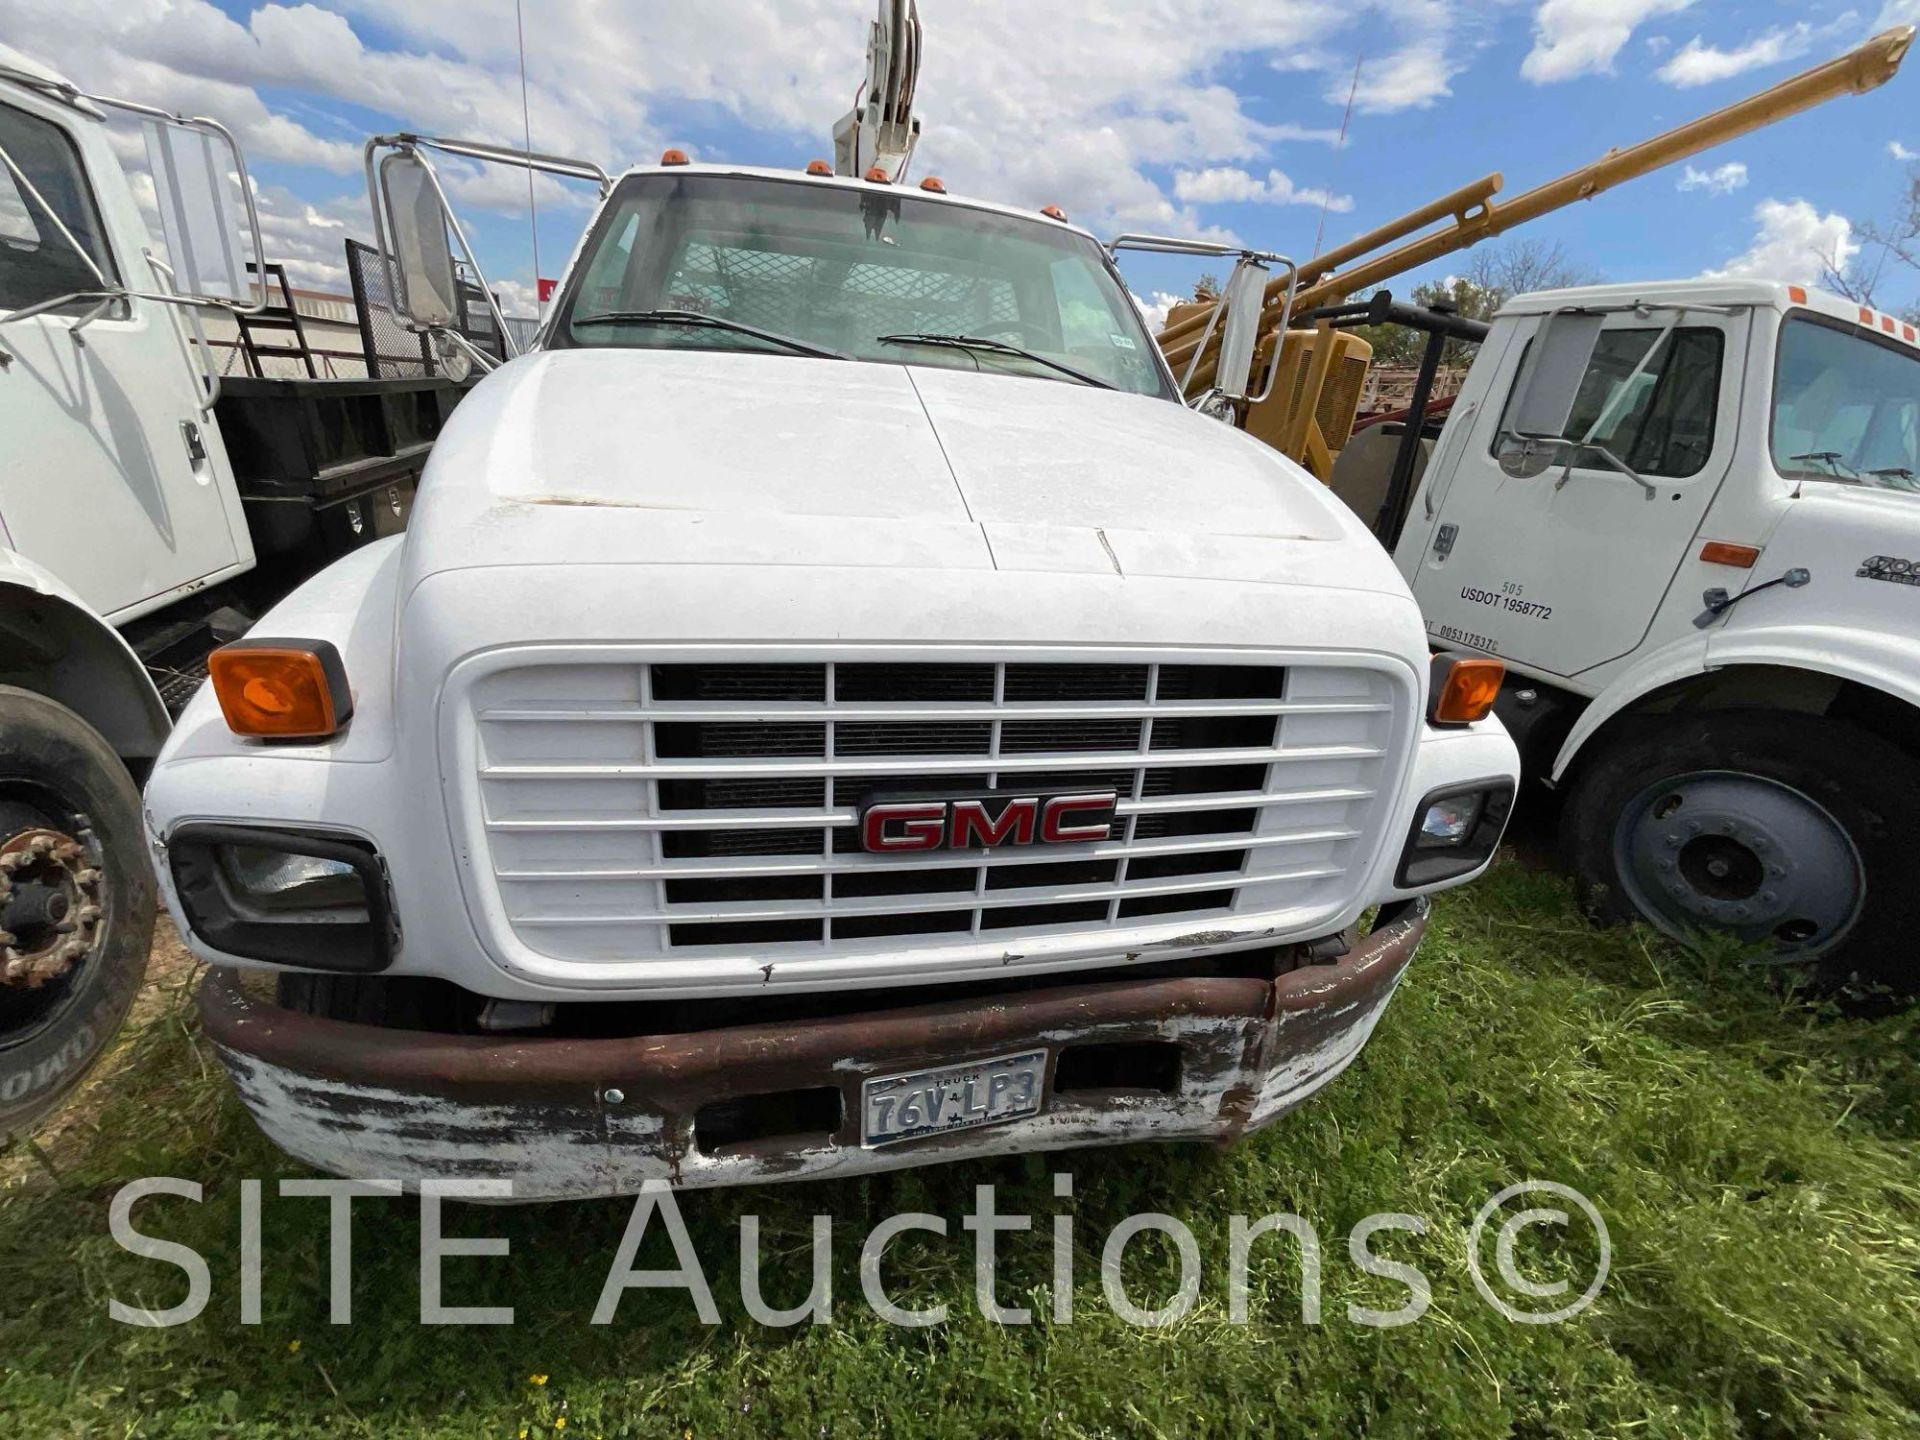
(1891, 568)
(1121, 342)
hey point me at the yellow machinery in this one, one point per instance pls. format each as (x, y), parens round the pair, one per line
(1310, 410)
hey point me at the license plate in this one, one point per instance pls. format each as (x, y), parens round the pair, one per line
(955, 1097)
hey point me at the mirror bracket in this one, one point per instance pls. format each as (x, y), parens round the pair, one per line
(1240, 306)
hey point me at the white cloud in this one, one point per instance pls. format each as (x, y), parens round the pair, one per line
(1408, 79)
(1794, 241)
(1154, 311)
(1901, 152)
(1697, 63)
(1226, 183)
(1722, 180)
(517, 298)
(1085, 103)
(1578, 37)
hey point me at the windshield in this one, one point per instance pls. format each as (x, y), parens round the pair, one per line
(855, 273)
(1846, 406)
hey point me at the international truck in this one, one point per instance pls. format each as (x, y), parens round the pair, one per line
(1687, 517)
(834, 708)
(1683, 513)
(150, 508)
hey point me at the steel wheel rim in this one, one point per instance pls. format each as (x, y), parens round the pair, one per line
(29, 1006)
(1730, 850)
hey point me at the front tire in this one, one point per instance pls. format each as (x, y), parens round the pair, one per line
(1788, 831)
(77, 902)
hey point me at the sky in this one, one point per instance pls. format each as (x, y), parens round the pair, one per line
(1213, 118)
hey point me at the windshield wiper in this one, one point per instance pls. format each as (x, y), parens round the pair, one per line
(1892, 472)
(1831, 459)
(711, 322)
(999, 347)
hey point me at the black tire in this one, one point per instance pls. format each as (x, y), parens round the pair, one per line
(57, 771)
(1868, 789)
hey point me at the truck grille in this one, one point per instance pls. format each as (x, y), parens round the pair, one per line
(694, 808)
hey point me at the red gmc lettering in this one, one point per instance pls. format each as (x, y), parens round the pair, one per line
(922, 826)
(1054, 826)
(1016, 822)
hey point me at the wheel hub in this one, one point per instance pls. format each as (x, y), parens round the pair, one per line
(49, 906)
(1742, 853)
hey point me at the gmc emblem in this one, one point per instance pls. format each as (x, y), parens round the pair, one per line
(894, 826)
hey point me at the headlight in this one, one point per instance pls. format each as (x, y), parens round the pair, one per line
(276, 880)
(1449, 821)
(1455, 832)
(319, 901)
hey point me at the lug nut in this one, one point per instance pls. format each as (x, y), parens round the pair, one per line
(89, 914)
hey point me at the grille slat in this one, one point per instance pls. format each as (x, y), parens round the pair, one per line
(1240, 787)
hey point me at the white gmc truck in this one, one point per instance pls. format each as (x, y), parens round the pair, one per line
(834, 708)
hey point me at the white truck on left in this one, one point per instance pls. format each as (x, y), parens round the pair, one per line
(129, 545)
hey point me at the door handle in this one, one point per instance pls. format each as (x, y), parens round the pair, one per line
(196, 447)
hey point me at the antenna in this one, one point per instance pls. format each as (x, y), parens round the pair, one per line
(1339, 147)
(526, 134)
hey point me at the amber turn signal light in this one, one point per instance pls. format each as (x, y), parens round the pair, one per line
(1463, 688)
(1723, 552)
(281, 689)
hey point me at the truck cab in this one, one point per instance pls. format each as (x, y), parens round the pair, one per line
(113, 401)
(834, 708)
(129, 545)
(1686, 516)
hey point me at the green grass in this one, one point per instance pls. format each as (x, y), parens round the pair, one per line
(1754, 1157)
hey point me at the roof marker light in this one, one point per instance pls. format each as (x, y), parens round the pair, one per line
(1797, 294)
(935, 184)
(1054, 212)
(878, 176)
(819, 167)
(673, 157)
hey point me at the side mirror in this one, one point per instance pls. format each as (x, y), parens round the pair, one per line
(197, 175)
(1550, 381)
(425, 290)
(1241, 300)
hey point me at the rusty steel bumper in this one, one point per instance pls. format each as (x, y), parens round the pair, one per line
(570, 1118)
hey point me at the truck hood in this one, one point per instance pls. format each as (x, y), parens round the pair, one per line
(696, 457)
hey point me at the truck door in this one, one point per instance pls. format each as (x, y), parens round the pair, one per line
(1564, 570)
(101, 480)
